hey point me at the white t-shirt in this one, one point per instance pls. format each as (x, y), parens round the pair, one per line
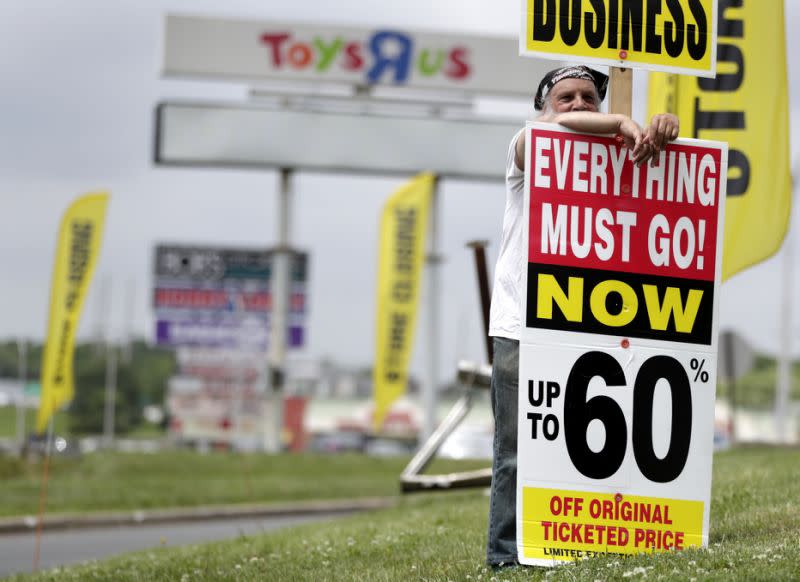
(505, 313)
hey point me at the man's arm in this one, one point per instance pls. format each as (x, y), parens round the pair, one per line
(595, 122)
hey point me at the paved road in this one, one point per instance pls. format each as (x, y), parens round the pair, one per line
(64, 547)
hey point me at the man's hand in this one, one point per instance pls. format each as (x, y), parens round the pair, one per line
(663, 129)
(645, 145)
(633, 139)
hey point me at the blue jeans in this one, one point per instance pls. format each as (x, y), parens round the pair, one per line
(501, 547)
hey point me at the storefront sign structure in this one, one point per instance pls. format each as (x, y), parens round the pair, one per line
(229, 49)
(618, 354)
(678, 36)
(387, 71)
(217, 307)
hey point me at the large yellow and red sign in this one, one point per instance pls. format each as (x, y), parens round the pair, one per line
(662, 35)
(618, 354)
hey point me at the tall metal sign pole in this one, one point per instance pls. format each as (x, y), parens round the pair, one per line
(433, 260)
(280, 309)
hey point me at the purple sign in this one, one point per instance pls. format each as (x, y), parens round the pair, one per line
(250, 335)
(222, 297)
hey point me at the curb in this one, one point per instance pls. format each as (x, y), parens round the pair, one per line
(142, 517)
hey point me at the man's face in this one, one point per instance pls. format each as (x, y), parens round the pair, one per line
(573, 95)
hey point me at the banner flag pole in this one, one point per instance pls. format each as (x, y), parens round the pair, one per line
(43, 495)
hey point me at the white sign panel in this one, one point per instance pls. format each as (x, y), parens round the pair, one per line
(224, 135)
(618, 356)
(249, 50)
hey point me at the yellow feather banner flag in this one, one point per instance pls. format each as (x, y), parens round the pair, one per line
(402, 253)
(79, 241)
(746, 105)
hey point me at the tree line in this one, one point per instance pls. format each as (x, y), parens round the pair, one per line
(142, 375)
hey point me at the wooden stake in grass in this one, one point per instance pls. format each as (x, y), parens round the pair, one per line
(43, 495)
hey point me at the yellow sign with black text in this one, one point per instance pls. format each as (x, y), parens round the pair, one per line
(402, 252)
(676, 36)
(565, 525)
(746, 105)
(78, 247)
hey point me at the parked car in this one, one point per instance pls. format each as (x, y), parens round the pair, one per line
(385, 447)
(338, 442)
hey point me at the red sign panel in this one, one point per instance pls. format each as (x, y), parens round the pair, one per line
(663, 219)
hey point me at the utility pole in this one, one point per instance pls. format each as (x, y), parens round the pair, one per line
(22, 374)
(111, 395)
(130, 307)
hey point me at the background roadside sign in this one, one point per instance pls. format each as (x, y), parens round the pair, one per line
(678, 36)
(222, 297)
(618, 356)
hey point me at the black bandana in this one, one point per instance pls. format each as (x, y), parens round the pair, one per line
(571, 72)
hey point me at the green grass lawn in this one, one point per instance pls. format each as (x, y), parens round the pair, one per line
(8, 425)
(126, 481)
(755, 535)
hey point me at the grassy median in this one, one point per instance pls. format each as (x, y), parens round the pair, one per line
(755, 535)
(104, 481)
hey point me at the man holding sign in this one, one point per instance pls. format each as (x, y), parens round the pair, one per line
(569, 96)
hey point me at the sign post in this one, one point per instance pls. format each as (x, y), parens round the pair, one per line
(277, 345)
(621, 82)
(619, 350)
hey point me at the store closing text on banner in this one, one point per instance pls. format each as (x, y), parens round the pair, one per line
(735, 107)
(79, 240)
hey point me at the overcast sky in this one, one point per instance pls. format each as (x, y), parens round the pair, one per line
(79, 80)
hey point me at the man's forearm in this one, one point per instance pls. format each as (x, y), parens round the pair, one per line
(590, 121)
(594, 122)
(585, 121)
